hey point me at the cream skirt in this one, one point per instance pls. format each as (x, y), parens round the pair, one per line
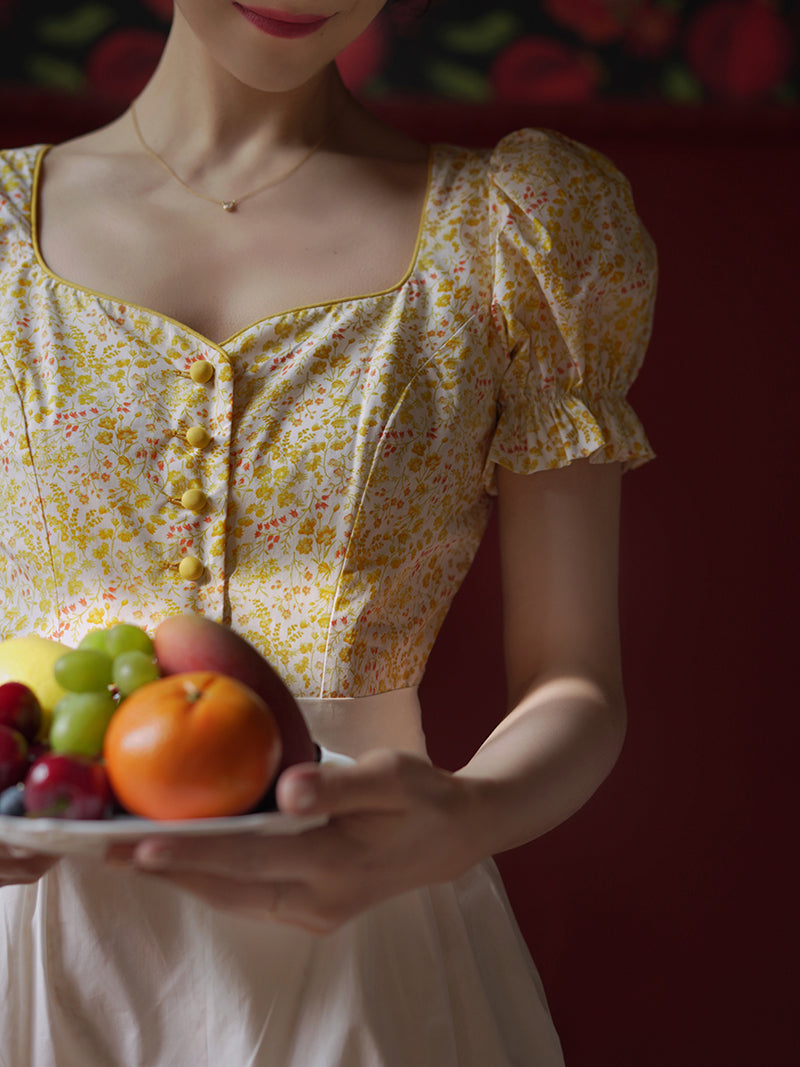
(107, 968)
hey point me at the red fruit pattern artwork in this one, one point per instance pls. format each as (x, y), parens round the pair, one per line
(540, 70)
(740, 49)
(362, 60)
(594, 21)
(554, 51)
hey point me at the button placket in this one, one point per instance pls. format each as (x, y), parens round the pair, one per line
(204, 457)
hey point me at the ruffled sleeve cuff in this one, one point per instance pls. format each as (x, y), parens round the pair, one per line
(574, 289)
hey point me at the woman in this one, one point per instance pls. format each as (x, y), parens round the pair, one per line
(347, 453)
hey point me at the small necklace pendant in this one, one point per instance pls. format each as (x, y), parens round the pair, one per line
(230, 205)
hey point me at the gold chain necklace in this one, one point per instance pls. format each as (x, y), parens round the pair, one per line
(226, 205)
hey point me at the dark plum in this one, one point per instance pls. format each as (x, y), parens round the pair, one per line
(13, 756)
(12, 800)
(20, 709)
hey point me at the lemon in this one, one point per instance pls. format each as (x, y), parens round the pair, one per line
(30, 660)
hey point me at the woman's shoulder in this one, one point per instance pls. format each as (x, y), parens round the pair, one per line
(530, 161)
(538, 182)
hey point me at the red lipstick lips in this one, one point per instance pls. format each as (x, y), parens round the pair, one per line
(281, 23)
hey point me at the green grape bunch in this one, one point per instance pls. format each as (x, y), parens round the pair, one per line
(107, 666)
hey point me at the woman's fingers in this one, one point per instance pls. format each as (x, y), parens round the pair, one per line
(18, 866)
(14, 852)
(382, 780)
(239, 857)
(318, 900)
(294, 904)
(251, 899)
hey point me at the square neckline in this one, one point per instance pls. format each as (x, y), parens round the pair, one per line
(223, 346)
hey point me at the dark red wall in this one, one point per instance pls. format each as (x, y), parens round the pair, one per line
(662, 915)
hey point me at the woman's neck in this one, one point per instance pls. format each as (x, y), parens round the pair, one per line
(205, 120)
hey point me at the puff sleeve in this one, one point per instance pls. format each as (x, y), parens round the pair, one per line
(574, 288)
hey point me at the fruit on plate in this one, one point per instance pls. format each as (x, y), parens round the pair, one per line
(107, 666)
(191, 643)
(67, 787)
(133, 669)
(30, 660)
(84, 670)
(197, 744)
(20, 709)
(13, 757)
(125, 637)
(80, 721)
(212, 747)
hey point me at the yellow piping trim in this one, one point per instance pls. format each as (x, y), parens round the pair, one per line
(421, 227)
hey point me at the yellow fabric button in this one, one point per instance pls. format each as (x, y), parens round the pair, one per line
(190, 568)
(194, 500)
(198, 436)
(201, 371)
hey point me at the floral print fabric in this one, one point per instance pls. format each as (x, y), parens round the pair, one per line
(347, 454)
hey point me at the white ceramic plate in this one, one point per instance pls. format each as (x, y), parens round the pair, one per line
(91, 837)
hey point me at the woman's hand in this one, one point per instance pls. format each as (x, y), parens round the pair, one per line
(395, 823)
(18, 866)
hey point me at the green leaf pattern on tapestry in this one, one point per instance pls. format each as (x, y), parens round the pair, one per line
(481, 36)
(79, 27)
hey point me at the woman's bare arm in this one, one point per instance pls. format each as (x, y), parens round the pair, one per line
(559, 534)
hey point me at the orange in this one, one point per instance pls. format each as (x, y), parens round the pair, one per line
(191, 746)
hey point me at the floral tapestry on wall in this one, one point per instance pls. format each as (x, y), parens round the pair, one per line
(548, 52)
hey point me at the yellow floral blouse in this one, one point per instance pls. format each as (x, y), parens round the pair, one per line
(341, 456)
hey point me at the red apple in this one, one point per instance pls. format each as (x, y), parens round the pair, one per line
(20, 709)
(67, 787)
